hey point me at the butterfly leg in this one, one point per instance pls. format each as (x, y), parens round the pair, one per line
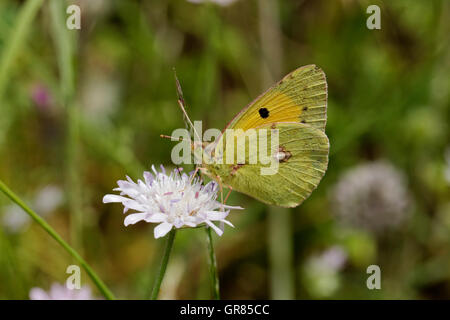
(197, 169)
(219, 182)
(229, 192)
(224, 201)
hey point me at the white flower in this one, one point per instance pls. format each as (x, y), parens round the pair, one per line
(321, 271)
(59, 292)
(173, 200)
(46, 201)
(372, 196)
(100, 95)
(14, 219)
(331, 260)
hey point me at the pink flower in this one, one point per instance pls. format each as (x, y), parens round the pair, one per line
(59, 292)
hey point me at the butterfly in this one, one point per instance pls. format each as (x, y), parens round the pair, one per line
(295, 111)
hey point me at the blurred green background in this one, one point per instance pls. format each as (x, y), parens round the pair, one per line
(80, 109)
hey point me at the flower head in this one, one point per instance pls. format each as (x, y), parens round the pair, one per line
(373, 196)
(14, 219)
(332, 259)
(321, 271)
(46, 201)
(41, 97)
(173, 201)
(60, 292)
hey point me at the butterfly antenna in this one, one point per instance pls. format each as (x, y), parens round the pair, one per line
(182, 104)
(174, 138)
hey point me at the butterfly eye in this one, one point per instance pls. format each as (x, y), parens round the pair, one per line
(263, 112)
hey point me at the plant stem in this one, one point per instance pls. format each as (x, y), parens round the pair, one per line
(64, 41)
(98, 282)
(281, 253)
(213, 265)
(164, 262)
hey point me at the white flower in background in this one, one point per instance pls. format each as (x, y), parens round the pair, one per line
(447, 165)
(333, 258)
(14, 219)
(373, 196)
(100, 95)
(47, 199)
(322, 271)
(173, 201)
(60, 292)
(222, 3)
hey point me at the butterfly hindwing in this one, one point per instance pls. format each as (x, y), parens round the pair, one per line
(296, 177)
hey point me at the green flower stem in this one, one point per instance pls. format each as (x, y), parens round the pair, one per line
(164, 262)
(98, 282)
(281, 253)
(213, 265)
(65, 45)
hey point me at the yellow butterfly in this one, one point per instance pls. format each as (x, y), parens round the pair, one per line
(295, 110)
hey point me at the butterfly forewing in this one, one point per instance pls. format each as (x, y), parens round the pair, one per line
(301, 96)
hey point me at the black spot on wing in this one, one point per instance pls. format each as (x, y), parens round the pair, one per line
(263, 112)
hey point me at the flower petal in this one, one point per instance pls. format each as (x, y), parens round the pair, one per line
(148, 178)
(215, 228)
(38, 294)
(162, 229)
(190, 224)
(113, 198)
(83, 294)
(227, 222)
(156, 218)
(134, 205)
(133, 218)
(217, 215)
(232, 207)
